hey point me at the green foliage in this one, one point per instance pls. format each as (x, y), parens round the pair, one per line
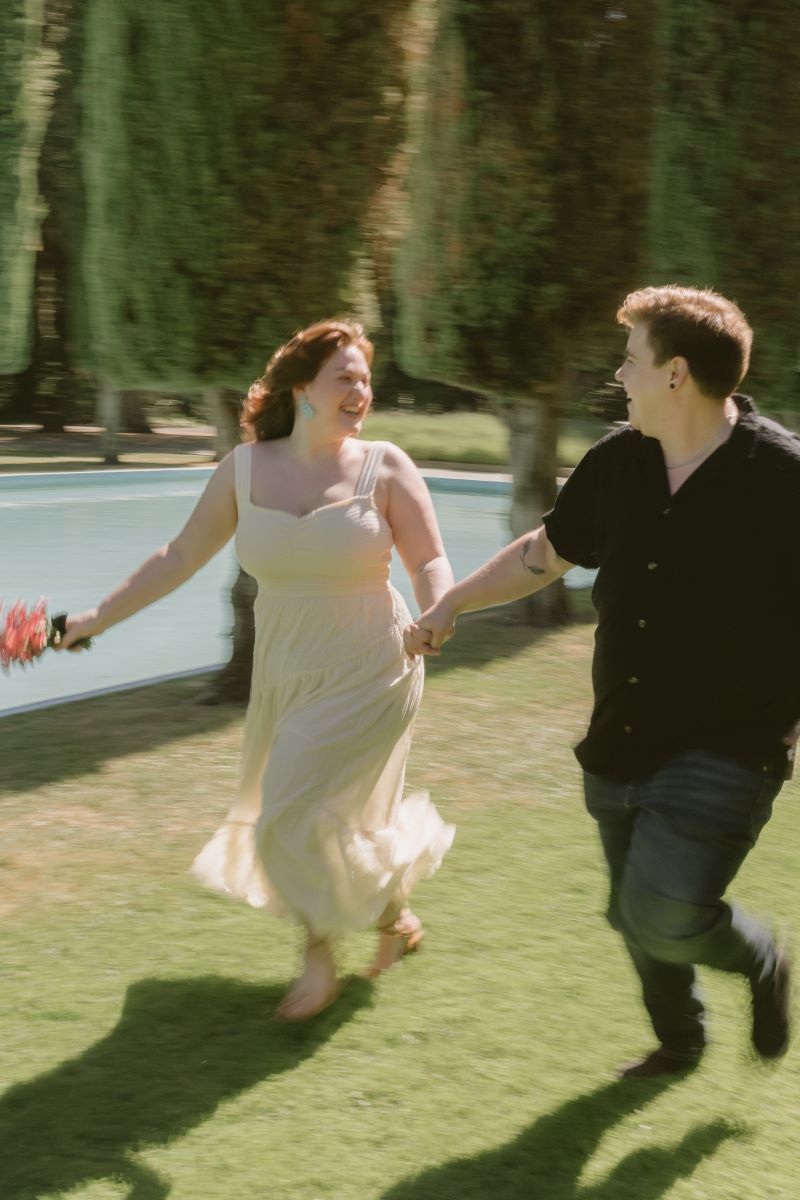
(50, 391)
(726, 170)
(230, 152)
(25, 85)
(528, 198)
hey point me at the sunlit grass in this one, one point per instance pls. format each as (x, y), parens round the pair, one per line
(138, 1046)
(478, 439)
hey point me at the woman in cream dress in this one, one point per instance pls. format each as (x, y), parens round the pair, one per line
(320, 829)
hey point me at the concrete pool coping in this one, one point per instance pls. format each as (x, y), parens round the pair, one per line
(438, 480)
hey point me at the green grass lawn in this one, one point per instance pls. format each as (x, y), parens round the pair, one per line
(139, 1057)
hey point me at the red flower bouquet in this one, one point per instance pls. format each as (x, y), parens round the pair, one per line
(25, 635)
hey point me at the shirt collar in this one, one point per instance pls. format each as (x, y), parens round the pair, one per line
(744, 404)
(742, 441)
(745, 432)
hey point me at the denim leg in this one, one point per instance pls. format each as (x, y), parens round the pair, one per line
(698, 816)
(669, 990)
(689, 827)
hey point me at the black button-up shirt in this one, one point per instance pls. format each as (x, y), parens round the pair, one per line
(697, 594)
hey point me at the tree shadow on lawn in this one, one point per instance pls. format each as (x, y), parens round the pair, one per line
(75, 738)
(181, 1048)
(502, 632)
(545, 1162)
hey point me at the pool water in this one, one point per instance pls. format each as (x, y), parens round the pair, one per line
(72, 538)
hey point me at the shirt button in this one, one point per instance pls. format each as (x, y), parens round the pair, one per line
(666, 512)
(651, 566)
(641, 622)
(628, 729)
(633, 679)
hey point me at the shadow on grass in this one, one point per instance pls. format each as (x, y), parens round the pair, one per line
(180, 1049)
(501, 633)
(71, 739)
(546, 1161)
(75, 738)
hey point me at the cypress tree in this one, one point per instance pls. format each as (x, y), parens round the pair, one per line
(230, 151)
(726, 169)
(528, 209)
(49, 390)
(25, 81)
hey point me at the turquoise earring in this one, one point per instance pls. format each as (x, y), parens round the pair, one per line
(305, 408)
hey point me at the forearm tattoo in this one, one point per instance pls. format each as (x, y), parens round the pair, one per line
(534, 570)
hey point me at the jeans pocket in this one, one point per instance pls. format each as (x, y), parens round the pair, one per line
(706, 796)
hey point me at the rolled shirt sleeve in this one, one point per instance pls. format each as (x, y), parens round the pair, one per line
(570, 523)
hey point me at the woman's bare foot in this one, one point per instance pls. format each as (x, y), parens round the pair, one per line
(315, 989)
(402, 937)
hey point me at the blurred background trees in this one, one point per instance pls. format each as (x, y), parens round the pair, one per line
(528, 212)
(26, 80)
(230, 153)
(183, 184)
(725, 172)
(44, 296)
(231, 150)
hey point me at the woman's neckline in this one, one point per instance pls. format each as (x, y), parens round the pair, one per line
(358, 494)
(267, 508)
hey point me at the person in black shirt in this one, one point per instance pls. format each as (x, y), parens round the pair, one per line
(690, 512)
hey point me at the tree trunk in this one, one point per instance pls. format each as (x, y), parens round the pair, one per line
(534, 425)
(232, 684)
(42, 392)
(109, 413)
(133, 415)
(223, 413)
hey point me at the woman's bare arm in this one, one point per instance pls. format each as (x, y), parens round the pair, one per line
(211, 525)
(416, 533)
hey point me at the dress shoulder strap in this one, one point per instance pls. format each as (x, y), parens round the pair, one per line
(243, 466)
(369, 472)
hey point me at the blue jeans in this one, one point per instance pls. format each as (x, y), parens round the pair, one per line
(673, 841)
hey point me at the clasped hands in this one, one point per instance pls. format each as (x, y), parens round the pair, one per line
(431, 630)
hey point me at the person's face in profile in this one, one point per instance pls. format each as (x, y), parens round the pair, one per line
(646, 383)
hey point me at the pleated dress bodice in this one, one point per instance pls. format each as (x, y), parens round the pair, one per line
(341, 548)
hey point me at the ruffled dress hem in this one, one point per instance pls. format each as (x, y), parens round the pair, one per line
(370, 871)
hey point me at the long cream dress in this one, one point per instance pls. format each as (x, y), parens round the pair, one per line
(320, 830)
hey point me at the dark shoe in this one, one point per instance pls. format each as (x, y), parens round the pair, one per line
(771, 1010)
(658, 1062)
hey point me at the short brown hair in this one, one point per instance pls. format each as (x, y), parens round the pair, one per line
(268, 409)
(697, 324)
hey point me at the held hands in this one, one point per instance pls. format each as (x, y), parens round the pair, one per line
(430, 631)
(83, 625)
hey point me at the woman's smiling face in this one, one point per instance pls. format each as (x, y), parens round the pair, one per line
(341, 391)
